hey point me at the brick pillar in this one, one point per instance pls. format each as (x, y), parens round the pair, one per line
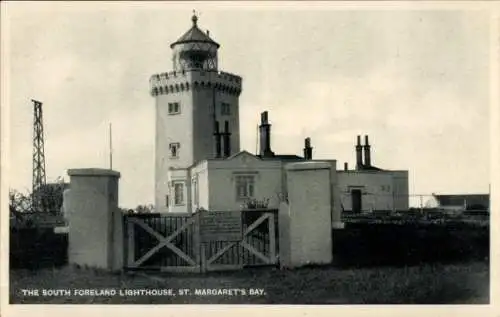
(95, 222)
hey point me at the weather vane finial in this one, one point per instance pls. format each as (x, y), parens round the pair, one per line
(194, 18)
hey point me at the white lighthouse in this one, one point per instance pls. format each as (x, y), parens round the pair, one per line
(197, 115)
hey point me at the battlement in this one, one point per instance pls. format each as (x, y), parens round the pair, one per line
(178, 81)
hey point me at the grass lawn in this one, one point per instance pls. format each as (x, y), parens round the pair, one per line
(466, 283)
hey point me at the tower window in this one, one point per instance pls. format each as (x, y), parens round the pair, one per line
(178, 193)
(174, 108)
(174, 150)
(225, 109)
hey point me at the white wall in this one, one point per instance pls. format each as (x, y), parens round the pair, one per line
(374, 195)
(217, 187)
(171, 129)
(221, 181)
(193, 127)
(201, 172)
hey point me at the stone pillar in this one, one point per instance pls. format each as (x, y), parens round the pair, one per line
(95, 221)
(309, 220)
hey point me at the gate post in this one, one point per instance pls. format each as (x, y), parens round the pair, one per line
(199, 252)
(203, 258)
(272, 238)
(95, 221)
(306, 222)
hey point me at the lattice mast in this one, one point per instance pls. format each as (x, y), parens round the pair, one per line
(39, 178)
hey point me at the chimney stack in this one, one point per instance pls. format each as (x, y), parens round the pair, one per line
(265, 136)
(227, 140)
(307, 149)
(368, 162)
(359, 154)
(217, 137)
(346, 166)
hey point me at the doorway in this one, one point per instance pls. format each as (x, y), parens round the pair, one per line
(356, 200)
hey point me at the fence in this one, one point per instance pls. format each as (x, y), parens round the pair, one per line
(422, 216)
(368, 201)
(173, 242)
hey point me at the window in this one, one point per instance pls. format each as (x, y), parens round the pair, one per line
(245, 185)
(174, 108)
(225, 109)
(178, 193)
(174, 149)
(167, 198)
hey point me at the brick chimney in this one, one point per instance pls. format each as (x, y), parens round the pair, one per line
(308, 149)
(359, 154)
(366, 148)
(265, 136)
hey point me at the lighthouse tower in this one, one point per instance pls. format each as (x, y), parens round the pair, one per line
(197, 115)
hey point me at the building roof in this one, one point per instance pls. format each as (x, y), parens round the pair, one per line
(283, 157)
(460, 200)
(194, 34)
(370, 168)
(243, 152)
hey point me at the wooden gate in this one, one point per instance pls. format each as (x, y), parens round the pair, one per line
(171, 242)
(257, 247)
(166, 242)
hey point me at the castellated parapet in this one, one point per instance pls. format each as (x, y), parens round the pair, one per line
(172, 82)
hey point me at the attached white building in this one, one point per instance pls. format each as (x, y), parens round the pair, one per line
(227, 183)
(366, 191)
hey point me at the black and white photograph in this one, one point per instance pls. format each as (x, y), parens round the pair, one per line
(248, 153)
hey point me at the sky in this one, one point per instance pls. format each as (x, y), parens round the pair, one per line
(416, 82)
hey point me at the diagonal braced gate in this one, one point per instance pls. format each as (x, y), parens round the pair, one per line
(171, 242)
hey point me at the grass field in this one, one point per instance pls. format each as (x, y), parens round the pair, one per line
(466, 283)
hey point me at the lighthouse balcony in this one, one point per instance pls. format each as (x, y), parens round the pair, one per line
(176, 81)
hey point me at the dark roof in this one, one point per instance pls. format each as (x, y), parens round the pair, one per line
(458, 200)
(283, 157)
(194, 34)
(370, 168)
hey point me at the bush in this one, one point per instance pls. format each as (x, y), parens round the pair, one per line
(37, 247)
(369, 244)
